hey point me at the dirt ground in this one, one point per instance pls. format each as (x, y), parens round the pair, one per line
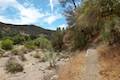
(33, 69)
(102, 63)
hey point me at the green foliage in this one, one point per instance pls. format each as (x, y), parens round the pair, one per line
(19, 39)
(105, 36)
(13, 67)
(7, 44)
(93, 18)
(1, 35)
(57, 39)
(32, 37)
(80, 40)
(30, 45)
(43, 43)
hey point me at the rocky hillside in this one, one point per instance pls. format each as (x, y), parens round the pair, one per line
(24, 29)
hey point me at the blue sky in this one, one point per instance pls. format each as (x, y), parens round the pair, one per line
(44, 13)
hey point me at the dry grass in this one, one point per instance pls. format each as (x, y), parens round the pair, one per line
(73, 69)
(110, 62)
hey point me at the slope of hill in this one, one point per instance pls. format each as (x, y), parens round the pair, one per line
(25, 29)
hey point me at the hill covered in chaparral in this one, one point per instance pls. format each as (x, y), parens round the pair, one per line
(24, 29)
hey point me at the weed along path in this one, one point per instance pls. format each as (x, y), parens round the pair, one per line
(92, 67)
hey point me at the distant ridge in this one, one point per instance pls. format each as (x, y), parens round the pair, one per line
(25, 29)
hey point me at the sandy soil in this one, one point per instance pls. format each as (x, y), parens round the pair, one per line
(33, 69)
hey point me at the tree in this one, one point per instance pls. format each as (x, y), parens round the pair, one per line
(94, 18)
(57, 39)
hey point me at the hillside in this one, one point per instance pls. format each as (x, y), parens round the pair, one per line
(25, 29)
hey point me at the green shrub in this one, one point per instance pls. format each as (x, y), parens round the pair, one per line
(105, 36)
(57, 39)
(30, 45)
(43, 43)
(7, 44)
(19, 39)
(80, 40)
(14, 67)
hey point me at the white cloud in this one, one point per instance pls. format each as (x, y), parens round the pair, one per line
(52, 18)
(27, 15)
(30, 12)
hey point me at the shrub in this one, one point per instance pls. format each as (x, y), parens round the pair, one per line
(13, 67)
(57, 39)
(19, 39)
(19, 51)
(15, 51)
(22, 57)
(30, 45)
(51, 57)
(7, 44)
(43, 43)
(1, 52)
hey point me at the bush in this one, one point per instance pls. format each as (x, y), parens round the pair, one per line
(7, 44)
(57, 39)
(30, 45)
(22, 57)
(19, 39)
(13, 67)
(19, 51)
(15, 51)
(51, 57)
(43, 43)
(1, 52)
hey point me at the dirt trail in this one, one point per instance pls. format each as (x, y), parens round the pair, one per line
(92, 67)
